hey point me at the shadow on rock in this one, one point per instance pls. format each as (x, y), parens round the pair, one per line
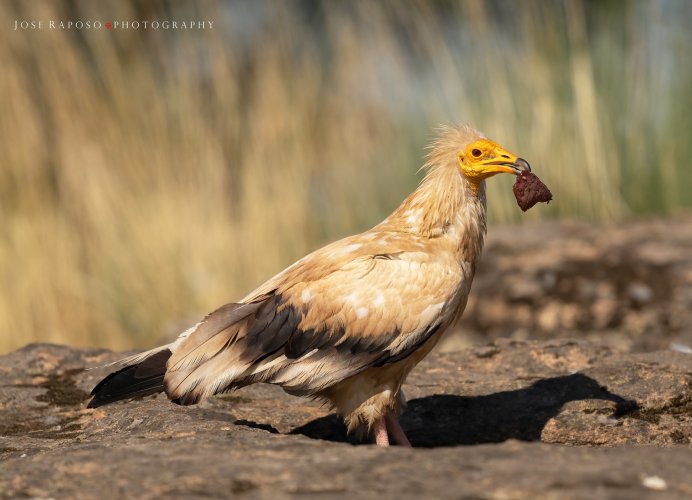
(448, 420)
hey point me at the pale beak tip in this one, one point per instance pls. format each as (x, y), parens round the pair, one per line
(521, 165)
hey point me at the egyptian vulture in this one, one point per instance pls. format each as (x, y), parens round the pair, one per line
(348, 322)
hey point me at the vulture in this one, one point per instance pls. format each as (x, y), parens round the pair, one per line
(348, 322)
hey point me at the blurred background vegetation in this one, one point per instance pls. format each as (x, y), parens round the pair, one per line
(149, 176)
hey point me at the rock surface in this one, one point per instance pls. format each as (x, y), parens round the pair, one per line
(557, 419)
(629, 284)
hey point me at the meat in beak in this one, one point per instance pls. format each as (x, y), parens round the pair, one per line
(521, 165)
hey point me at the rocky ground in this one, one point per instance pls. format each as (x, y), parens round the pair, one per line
(513, 419)
(532, 414)
(627, 285)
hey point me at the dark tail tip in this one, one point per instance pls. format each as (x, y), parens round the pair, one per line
(143, 379)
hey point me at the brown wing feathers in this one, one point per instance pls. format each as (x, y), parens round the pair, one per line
(239, 344)
(147, 377)
(196, 347)
(276, 350)
(270, 348)
(329, 317)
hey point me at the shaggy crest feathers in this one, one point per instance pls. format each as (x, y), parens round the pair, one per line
(448, 142)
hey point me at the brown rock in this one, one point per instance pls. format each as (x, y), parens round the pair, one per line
(485, 421)
(629, 284)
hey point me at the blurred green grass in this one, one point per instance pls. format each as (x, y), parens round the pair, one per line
(147, 177)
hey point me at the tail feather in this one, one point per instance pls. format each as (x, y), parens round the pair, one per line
(141, 379)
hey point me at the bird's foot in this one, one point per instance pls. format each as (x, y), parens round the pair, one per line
(381, 436)
(397, 432)
(389, 423)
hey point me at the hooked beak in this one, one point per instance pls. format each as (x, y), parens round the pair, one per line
(510, 165)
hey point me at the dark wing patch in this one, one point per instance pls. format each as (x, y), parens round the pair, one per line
(269, 330)
(389, 357)
(303, 341)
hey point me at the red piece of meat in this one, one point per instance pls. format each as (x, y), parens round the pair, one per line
(529, 190)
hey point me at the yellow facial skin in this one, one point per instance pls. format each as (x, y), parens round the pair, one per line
(484, 158)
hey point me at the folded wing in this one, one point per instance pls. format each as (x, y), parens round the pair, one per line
(344, 309)
(358, 303)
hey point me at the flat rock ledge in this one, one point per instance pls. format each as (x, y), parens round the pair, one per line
(555, 419)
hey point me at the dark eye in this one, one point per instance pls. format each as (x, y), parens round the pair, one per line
(476, 153)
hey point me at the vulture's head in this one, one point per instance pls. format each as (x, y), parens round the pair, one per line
(483, 158)
(466, 150)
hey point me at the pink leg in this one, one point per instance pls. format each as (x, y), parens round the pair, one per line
(396, 430)
(381, 437)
